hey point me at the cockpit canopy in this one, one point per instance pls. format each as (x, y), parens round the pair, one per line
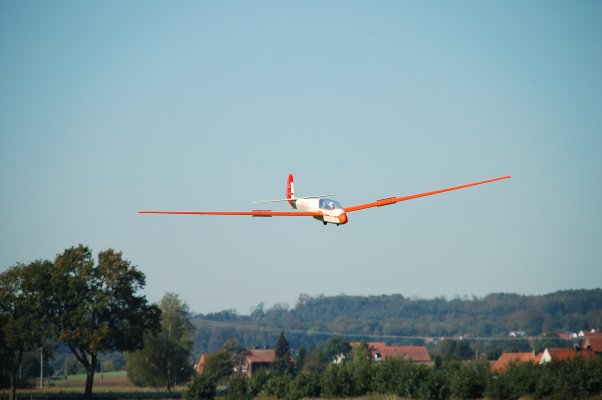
(328, 204)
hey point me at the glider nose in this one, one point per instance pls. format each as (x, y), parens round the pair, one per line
(343, 218)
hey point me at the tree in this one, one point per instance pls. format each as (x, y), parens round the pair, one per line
(362, 368)
(333, 348)
(436, 386)
(201, 388)
(23, 318)
(306, 384)
(177, 331)
(218, 366)
(519, 379)
(471, 380)
(165, 358)
(277, 385)
(337, 381)
(454, 350)
(238, 388)
(96, 307)
(283, 363)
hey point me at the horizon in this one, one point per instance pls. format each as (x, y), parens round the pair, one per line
(289, 307)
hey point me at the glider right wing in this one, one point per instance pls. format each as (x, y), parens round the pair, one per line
(393, 200)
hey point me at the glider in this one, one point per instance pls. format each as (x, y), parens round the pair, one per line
(321, 208)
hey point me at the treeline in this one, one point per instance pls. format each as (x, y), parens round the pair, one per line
(358, 317)
(314, 375)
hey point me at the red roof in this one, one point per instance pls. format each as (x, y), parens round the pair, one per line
(565, 354)
(594, 343)
(410, 353)
(199, 364)
(261, 356)
(507, 358)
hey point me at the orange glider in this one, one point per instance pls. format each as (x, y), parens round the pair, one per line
(319, 207)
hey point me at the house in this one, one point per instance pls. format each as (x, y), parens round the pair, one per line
(253, 360)
(562, 354)
(257, 359)
(593, 342)
(381, 351)
(586, 333)
(506, 359)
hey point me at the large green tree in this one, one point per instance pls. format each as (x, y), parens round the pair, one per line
(165, 358)
(96, 306)
(23, 317)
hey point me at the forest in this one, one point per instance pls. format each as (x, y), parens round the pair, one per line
(401, 320)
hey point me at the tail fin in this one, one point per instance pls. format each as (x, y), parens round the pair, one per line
(290, 190)
(290, 194)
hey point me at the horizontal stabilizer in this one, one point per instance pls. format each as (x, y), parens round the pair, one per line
(294, 198)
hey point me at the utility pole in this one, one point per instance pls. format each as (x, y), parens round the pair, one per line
(169, 357)
(41, 368)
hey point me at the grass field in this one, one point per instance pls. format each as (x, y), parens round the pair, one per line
(109, 385)
(113, 378)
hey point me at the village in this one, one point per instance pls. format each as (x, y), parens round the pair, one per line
(586, 344)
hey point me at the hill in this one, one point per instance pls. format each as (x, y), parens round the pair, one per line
(398, 319)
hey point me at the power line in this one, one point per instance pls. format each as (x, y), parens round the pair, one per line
(311, 332)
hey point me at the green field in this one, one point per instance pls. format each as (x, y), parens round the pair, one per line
(113, 378)
(109, 385)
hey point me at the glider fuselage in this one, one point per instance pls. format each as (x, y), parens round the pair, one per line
(332, 211)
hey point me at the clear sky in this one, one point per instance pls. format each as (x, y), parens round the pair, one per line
(109, 107)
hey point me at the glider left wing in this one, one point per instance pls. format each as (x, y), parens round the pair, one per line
(393, 200)
(253, 213)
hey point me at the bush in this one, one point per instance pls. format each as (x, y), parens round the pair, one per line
(518, 380)
(238, 388)
(306, 384)
(399, 377)
(436, 386)
(201, 388)
(277, 385)
(576, 378)
(471, 380)
(337, 381)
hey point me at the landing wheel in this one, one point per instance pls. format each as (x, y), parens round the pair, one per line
(324, 222)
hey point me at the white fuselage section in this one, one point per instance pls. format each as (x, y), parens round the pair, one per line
(331, 210)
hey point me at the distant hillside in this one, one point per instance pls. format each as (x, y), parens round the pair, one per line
(397, 319)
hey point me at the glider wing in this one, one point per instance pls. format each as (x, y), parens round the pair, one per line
(393, 200)
(253, 213)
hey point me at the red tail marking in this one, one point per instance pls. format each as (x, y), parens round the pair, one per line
(289, 192)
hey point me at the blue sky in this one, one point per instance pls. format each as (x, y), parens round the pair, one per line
(111, 107)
